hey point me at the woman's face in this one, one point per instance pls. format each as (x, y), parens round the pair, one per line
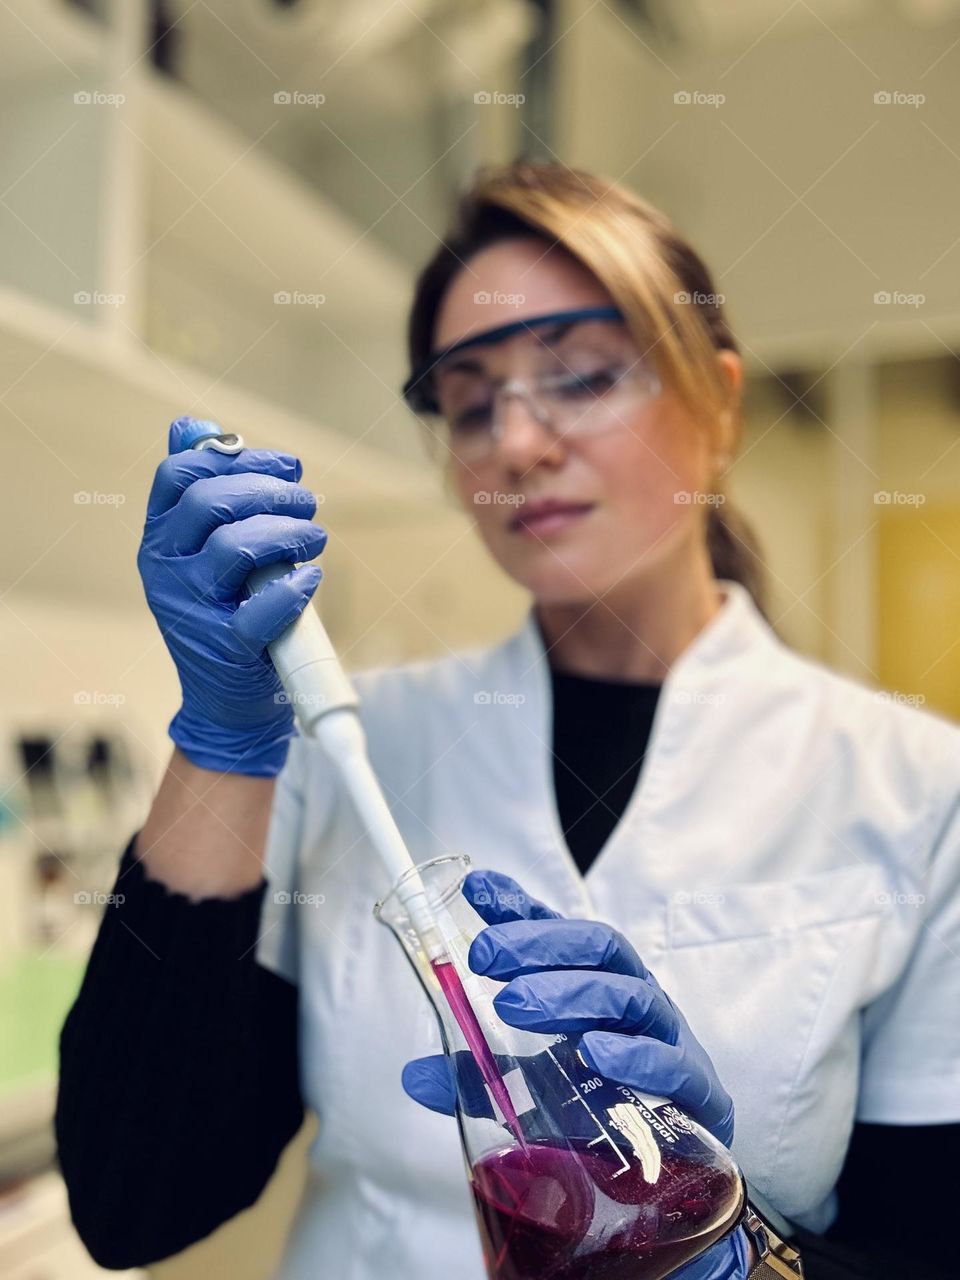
(627, 484)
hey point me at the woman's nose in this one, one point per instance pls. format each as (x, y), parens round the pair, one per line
(521, 438)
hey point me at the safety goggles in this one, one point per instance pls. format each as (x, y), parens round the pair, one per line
(587, 374)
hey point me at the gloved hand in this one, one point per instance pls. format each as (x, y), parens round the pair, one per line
(211, 519)
(583, 976)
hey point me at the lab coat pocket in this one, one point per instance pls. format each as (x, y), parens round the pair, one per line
(771, 976)
(773, 908)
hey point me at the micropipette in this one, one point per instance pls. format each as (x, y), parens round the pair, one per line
(326, 706)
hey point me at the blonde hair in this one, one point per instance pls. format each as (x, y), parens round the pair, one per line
(654, 276)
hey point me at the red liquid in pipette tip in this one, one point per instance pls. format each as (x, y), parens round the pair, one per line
(452, 988)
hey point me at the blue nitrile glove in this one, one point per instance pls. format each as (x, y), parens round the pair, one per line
(583, 976)
(211, 519)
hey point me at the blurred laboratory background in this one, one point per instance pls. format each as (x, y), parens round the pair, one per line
(218, 207)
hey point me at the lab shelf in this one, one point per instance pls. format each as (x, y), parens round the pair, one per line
(51, 363)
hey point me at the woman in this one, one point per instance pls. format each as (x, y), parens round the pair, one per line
(766, 862)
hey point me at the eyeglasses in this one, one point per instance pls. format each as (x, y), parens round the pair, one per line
(593, 377)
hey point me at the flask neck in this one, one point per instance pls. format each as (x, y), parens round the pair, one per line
(473, 1034)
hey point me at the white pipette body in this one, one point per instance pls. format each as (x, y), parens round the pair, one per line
(326, 706)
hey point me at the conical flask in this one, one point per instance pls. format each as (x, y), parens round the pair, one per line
(573, 1176)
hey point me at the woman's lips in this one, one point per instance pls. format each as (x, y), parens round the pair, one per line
(532, 524)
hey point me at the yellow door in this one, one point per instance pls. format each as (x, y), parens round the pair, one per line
(918, 604)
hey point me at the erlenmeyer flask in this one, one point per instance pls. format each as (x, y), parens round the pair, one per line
(574, 1176)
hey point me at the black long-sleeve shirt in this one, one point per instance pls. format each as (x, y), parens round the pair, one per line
(179, 1081)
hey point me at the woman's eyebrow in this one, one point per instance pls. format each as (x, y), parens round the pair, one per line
(556, 333)
(457, 364)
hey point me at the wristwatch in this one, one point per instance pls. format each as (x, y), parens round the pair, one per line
(776, 1258)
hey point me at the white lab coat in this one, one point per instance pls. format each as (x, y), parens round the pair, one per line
(788, 866)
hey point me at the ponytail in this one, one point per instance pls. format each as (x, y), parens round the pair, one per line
(735, 552)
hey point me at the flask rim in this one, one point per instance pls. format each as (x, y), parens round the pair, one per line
(417, 870)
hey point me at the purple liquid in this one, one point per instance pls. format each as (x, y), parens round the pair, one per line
(549, 1213)
(452, 988)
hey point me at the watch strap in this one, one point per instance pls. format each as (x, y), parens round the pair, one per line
(778, 1260)
(771, 1268)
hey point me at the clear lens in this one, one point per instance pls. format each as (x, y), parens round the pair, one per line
(570, 404)
(580, 381)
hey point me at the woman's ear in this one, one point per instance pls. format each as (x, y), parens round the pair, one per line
(731, 366)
